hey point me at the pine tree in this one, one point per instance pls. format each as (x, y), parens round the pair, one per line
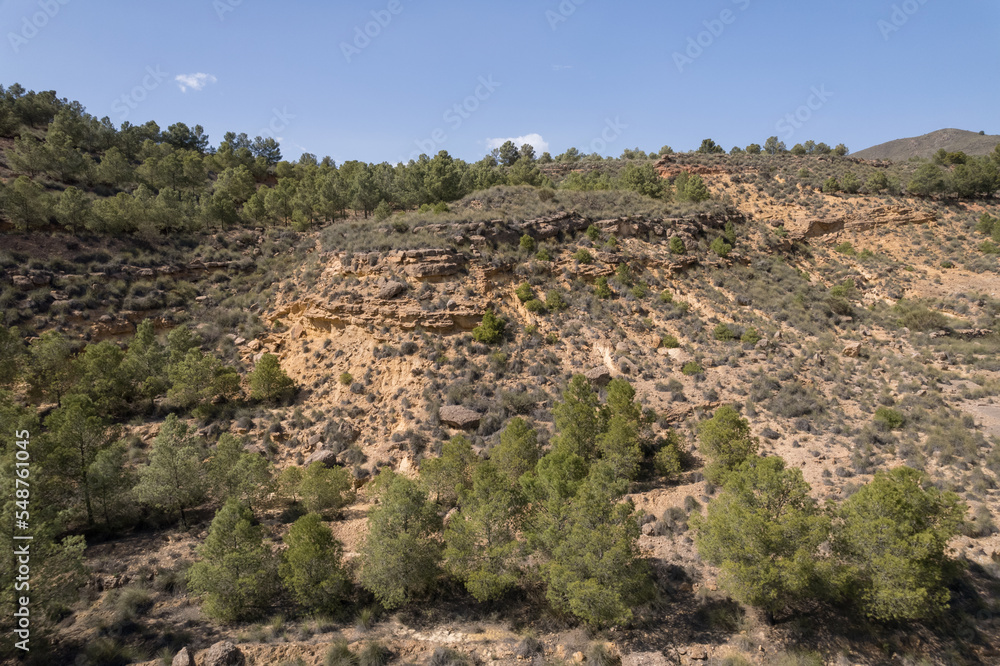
(234, 473)
(576, 418)
(595, 571)
(764, 532)
(726, 441)
(892, 536)
(482, 546)
(326, 489)
(111, 481)
(268, 382)
(146, 363)
(235, 577)
(400, 552)
(311, 566)
(517, 453)
(175, 476)
(78, 433)
(445, 475)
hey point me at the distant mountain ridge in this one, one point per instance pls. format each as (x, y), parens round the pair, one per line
(952, 140)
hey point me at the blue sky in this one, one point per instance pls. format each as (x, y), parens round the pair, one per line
(594, 74)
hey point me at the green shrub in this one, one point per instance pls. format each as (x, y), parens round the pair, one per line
(366, 618)
(490, 330)
(640, 291)
(443, 656)
(624, 275)
(340, 655)
(106, 651)
(382, 211)
(535, 306)
(723, 333)
(374, 654)
(918, 317)
(543, 255)
(750, 336)
(888, 419)
(671, 341)
(527, 243)
(598, 654)
(677, 246)
(666, 296)
(669, 461)
(692, 368)
(601, 288)
(986, 225)
(846, 248)
(720, 247)
(583, 256)
(554, 300)
(773, 562)
(593, 233)
(524, 292)
(311, 568)
(346, 378)
(441, 207)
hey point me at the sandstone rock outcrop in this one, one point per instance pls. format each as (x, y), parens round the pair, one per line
(459, 417)
(224, 653)
(183, 658)
(861, 221)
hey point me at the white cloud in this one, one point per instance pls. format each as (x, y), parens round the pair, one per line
(195, 81)
(535, 140)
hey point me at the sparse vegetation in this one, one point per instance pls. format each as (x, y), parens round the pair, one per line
(172, 336)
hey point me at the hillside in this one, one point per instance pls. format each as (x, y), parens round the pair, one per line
(925, 146)
(461, 414)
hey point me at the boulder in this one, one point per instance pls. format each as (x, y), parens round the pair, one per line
(852, 349)
(599, 376)
(391, 290)
(459, 417)
(325, 456)
(183, 658)
(224, 653)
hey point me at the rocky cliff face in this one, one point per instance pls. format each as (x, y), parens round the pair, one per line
(883, 216)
